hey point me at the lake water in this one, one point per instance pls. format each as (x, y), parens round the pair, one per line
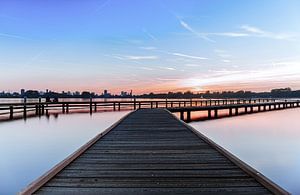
(269, 142)
(28, 149)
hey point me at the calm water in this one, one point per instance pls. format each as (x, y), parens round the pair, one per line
(28, 149)
(270, 142)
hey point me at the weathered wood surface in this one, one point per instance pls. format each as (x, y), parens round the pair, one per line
(152, 152)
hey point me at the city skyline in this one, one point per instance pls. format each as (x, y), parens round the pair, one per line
(149, 46)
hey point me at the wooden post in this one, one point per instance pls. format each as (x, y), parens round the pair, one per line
(171, 104)
(119, 106)
(216, 113)
(43, 109)
(209, 113)
(182, 115)
(258, 108)
(236, 111)
(179, 104)
(188, 116)
(114, 106)
(95, 107)
(156, 104)
(166, 103)
(139, 105)
(230, 111)
(11, 112)
(24, 109)
(63, 108)
(67, 107)
(251, 109)
(134, 104)
(191, 103)
(91, 106)
(36, 109)
(246, 109)
(184, 103)
(151, 104)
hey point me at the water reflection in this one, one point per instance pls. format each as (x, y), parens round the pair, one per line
(30, 148)
(269, 141)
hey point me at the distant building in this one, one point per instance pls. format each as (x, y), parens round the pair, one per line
(124, 93)
(22, 92)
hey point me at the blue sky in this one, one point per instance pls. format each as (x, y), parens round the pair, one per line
(151, 45)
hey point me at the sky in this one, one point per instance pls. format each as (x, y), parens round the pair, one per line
(149, 46)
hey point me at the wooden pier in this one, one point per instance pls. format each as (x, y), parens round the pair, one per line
(233, 109)
(150, 151)
(10, 111)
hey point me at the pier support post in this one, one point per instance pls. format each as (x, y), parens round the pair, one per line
(24, 109)
(182, 115)
(11, 112)
(265, 108)
(95, 107)
(188, 116)
(246, 109)
(216, 113)
(230, 111)
(151, 104)
(63, 108)
(184, 104)
(156, 104)
(67, 108)
(119, 106)
(251, 109)
(115, 106)
(91, 105)
(236, 111)
(140, 105)
(258, 108)
(209, 113)
(36, 109)
(134, 104)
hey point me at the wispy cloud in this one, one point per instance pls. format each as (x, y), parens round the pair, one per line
(13, 36)
(192, 65)
(148, 48)
(226, 61)
(189, 56)
(190, 29)
(135, 57)
(151, 36)
(146, 68)
(257, 32)
(283, 72)
(246, 31)
(167, 68)
(141, 57)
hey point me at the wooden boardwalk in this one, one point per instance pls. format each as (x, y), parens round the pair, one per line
(150, 151)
